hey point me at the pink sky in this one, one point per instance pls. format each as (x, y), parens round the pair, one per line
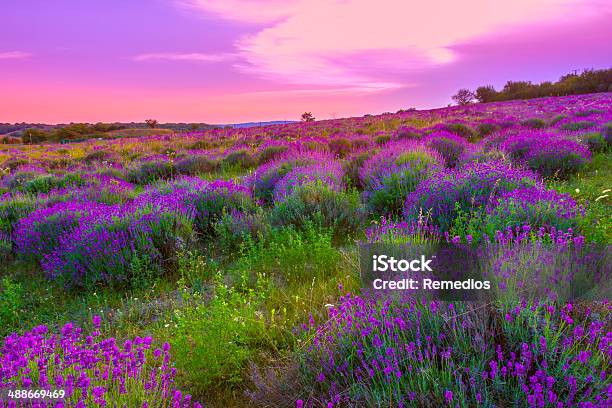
(225, 61)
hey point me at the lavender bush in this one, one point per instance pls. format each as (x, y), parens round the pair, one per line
(472, 187)
(91, 370)
(394, 172)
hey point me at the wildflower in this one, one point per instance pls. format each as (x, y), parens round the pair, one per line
(448, 396)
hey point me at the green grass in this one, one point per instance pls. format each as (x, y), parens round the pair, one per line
(592, 188)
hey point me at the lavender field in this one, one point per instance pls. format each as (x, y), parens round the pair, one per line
(221, 268)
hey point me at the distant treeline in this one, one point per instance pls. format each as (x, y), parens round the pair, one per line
(35, 133)
(589, 81)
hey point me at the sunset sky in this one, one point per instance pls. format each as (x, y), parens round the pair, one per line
(226, 61)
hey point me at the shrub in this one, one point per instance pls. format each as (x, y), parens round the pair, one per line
(6, 247)
(382, 139)
(533, 206)
(91, 370)
(320, 204)
(202, 145)
(557, 119)
(108, 190)
(340, 147)
(607, 132)
(329, 173)
(239, 158)
(395, 171)
(12, 208)
(483, 156)
(272, 152)
(462, 130)
(264, 179)
(46, 183)
(486, 128)
(534, 123)
(406, 133)
(149, 172)
(579, 125)
(17, 180)
(195, 165)
(587, 112)
(548, 154)
(235, 228)
(214, 199)
(558, 157)
(40, 232)
(95, 156)
(448, 145)
(595, 141)
(118, 248)
(467, 189)
(40, 184)
(352, 165)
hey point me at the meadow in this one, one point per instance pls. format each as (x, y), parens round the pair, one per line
(221, 267)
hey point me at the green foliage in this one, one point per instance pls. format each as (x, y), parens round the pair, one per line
(389, 193)
(195, 165)
(45, 183)
(143, 272)
(575, 126)
(589, 81)
(560, 164)
(534, 123)
(213, 340)
(239, 158)
(485, 94)
(591, 188)
(512, 213)
(149, 172)
(485, 128)
(351, 168)
(17, 180)
(11, 301)
(557, 119)
(95, 156)
(595, 141)
(382, 139)
(35, 136)
(468, 222)
(14, 208)
(463, 130)
(320, 204)
(211, 204)
(340, 147)
(270, 153)
(195, 270)
(236, 228)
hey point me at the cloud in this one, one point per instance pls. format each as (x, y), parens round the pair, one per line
(193, 57)
(14, 55)
(248, 11)
(339, 43)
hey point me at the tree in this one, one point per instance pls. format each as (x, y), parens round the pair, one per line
(463, 97)
(307, 117)
(35, 136)
(151, 123)
(485, 94)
